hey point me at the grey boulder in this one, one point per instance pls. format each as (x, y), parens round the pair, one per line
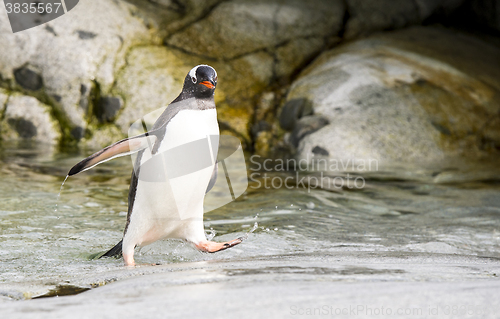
(62, 62)
(418, 95)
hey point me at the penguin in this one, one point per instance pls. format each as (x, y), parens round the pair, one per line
(171, 208)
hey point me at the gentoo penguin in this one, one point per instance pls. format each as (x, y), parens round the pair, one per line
(173, 206)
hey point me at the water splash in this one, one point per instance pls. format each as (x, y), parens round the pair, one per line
(211, 235)
(255, 226)
(60, 190)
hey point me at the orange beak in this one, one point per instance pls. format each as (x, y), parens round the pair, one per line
(208, 84)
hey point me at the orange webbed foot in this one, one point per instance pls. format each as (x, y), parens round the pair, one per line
(212, 246)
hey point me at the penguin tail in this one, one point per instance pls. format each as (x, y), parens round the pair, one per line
(115, 251)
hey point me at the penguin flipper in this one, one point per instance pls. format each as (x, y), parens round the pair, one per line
(213, 179)
(124, 147)
(115, 251)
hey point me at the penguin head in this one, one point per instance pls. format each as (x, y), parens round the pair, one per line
(201, 81)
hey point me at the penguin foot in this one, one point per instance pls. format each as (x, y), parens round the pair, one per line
(212, 246)
(129, 260)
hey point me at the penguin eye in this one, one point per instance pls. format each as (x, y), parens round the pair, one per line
(193, 79)
(215, 79)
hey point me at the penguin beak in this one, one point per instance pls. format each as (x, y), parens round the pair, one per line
(208, 84)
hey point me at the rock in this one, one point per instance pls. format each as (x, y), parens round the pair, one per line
(85, 35)
(294, 110)
(25, 117)
(306, 126)
(167, 16)
(84, 47)
(317, 150)
(367, 17)
(102, 137)
(78, 133)
(112, 62)
(238, 28)
(28, 79)
(417, 95)
(261, 126)
(427, 8)
(370, 16)
(107, 108)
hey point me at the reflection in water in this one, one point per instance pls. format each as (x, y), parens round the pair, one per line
(455, 212)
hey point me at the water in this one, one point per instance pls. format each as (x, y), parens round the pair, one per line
(60, 190)
(45, 251)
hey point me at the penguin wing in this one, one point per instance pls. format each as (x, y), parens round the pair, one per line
(124, 147)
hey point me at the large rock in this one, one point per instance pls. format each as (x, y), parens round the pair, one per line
(416, 95)
(24, 117)
(170, 16)
(273, 37)
(368, 16)
(237, 28)
(62, 61)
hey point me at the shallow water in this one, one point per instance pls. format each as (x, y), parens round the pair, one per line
(398, 211)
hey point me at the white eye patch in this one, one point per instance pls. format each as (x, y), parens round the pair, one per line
(192, 73)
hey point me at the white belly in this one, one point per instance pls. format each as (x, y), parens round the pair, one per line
(173, 208)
